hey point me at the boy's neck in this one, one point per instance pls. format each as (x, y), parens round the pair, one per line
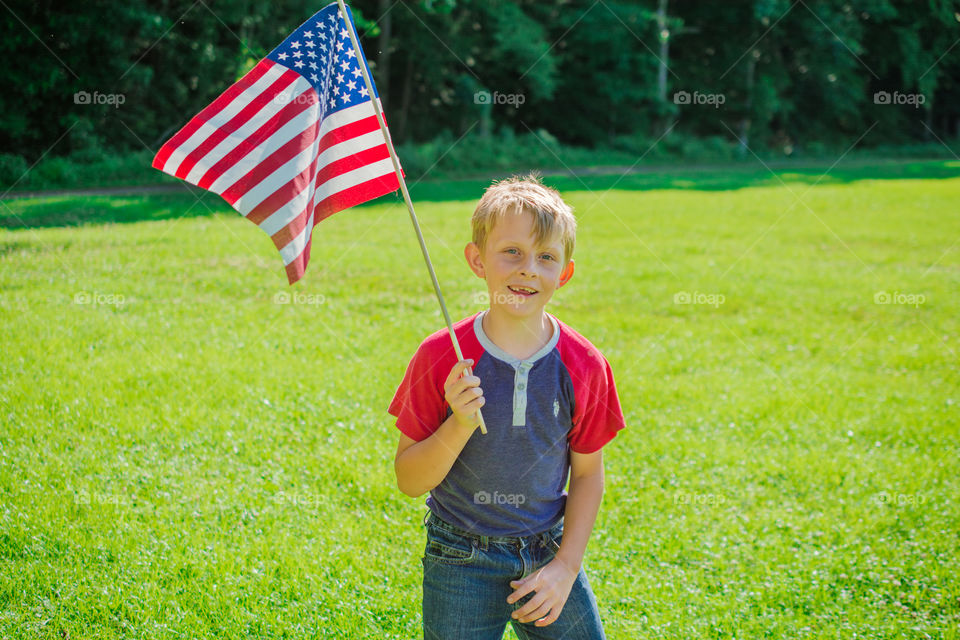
(520, 337)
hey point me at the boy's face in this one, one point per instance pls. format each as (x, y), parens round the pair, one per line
(521, 275)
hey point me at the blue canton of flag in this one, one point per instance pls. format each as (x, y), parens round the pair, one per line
(320, 50)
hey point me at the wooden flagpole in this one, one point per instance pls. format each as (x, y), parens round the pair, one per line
(406, 195)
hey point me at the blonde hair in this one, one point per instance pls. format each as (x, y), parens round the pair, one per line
(551, 215)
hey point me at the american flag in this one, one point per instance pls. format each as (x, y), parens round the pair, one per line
(292, 142)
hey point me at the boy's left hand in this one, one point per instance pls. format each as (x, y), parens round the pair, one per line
(552, 584)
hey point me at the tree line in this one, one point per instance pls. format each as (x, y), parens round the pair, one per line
(123, 75)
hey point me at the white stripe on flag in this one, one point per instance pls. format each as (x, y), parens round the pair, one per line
(350, 179)
(282, 136)
(269, 185)
(295, 247)
(288, 212)
(222, 117)
(228, 144)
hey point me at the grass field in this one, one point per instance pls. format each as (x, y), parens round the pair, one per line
(189, 448)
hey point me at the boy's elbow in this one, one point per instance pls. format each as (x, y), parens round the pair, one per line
(405, 487)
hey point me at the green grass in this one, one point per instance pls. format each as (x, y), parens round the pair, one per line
(183, 457)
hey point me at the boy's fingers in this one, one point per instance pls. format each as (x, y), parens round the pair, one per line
(456, 371)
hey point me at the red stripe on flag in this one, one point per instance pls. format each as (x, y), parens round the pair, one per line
(361, 159)
(355, 161)
(293, 228)
(220, 134)
(213, 108)
(296, 269)
(279, 120)
(348, 131)
(267, 166)
(362, 192)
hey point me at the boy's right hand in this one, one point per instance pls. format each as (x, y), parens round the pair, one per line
(464, 395)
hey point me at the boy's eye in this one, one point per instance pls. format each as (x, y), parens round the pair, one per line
(512, 251)
(548, 256)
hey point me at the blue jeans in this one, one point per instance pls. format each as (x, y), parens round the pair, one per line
(466, 581)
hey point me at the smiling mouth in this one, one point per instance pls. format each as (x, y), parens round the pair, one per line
(523, 291)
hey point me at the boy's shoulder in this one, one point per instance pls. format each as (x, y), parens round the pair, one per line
(575, 348)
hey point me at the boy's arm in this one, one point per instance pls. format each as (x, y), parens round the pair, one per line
(583, 503)
(553, 582)
(421, 466)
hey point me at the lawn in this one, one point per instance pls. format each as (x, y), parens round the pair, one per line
(189, 448)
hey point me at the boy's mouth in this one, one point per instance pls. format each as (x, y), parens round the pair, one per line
(523, 291)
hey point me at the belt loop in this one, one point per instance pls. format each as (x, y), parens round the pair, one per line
(484, 541)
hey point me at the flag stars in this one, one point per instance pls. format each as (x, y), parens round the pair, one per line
(344, 34)
(298, 64)
(311, 54)
(313, 66)
(356, 72)
(363, 92)
(297, 54)
(295, 44)
(339, 77)
(310, 44)
(282, 56)
(314, 77)
(352, 85)
(308, 34)
(339, 45)
(345, 65)
(351, 53)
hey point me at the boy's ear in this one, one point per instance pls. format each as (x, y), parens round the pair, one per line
(472, 253)
(566, 275)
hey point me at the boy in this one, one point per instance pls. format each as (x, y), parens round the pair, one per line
(504, 541)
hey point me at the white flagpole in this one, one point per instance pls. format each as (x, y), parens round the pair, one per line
(406, 195)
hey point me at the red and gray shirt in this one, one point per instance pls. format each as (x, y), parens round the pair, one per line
(510, 481)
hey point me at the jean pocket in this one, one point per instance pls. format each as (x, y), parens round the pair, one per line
(448, 548)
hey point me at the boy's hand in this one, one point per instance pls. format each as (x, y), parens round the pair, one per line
(464, 395)
(552, 584)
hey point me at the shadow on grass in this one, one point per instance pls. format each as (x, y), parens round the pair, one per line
(73, 210)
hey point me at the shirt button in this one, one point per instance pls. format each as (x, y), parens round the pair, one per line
(521, 386)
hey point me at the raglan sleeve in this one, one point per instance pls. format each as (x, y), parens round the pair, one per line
(597, 416)
(418, 404)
